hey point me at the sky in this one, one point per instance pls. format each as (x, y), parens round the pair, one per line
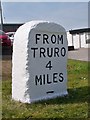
(71, 15)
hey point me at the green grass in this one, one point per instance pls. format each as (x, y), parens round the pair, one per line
(74, 105)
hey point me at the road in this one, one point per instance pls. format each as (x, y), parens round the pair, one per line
(80, 54)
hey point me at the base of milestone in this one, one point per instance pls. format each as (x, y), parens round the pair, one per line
(28, 100)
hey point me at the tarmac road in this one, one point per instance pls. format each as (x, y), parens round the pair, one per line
(80, 54)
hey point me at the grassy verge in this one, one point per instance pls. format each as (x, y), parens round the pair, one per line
(75, 105)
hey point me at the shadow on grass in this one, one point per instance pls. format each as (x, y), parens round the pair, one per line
(75, 95)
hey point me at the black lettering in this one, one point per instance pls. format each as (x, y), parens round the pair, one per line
(55, 77)
(37, 38)
(61, 77)
(50, 92)
(49, 65)
(44, 79)
(42, 52)
(53, 39)
(56, 52)
(49, 52)
(63, 51)
(48, 82)
(34, 51)
(45, 38)
(60, 38)
(38, 79)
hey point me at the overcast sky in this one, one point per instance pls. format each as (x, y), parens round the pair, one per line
(70, 15)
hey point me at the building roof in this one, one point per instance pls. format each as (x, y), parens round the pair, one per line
(8, 27)
(11, 27)
(77, 31)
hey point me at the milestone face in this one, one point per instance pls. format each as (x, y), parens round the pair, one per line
(46, 62)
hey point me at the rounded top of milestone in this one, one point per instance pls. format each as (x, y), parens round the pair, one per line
(45, 26)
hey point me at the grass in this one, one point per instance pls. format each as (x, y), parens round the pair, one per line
(74, 105)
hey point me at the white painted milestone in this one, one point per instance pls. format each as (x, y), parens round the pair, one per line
(39, 64)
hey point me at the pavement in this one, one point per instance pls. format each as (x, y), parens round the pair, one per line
(80, 54)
